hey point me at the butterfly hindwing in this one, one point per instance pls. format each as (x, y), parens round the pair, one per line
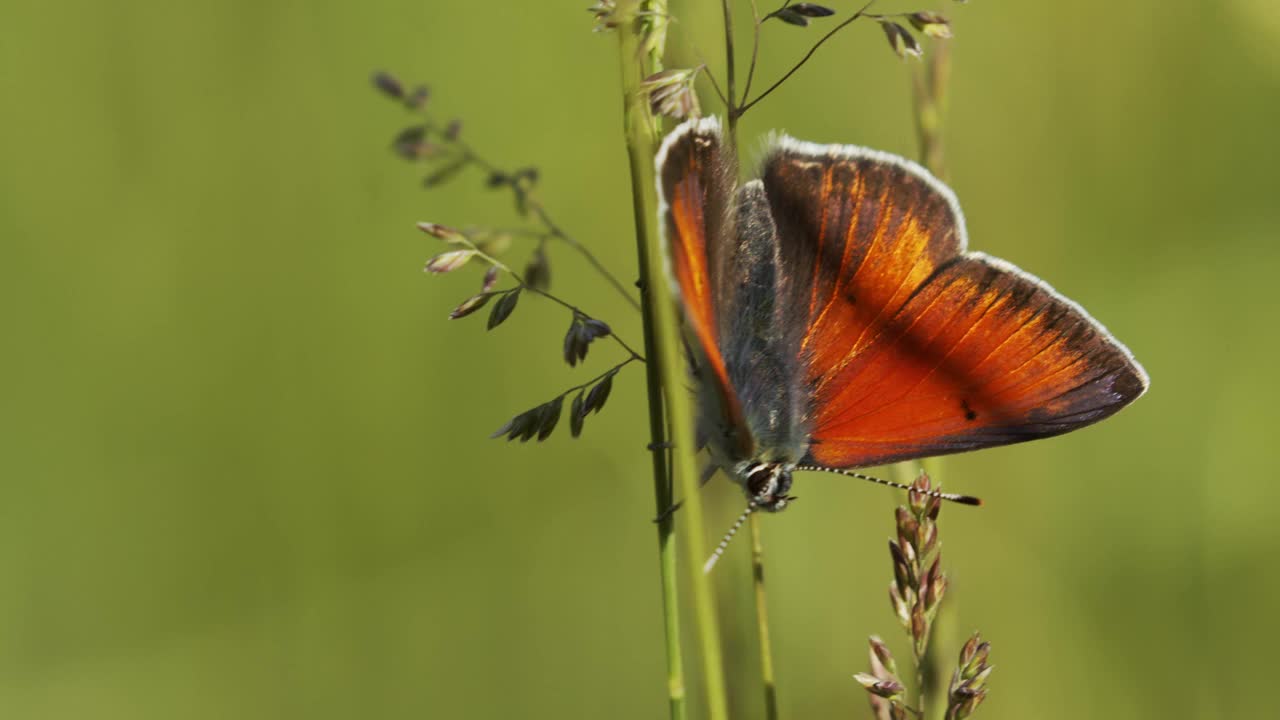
(911, 346)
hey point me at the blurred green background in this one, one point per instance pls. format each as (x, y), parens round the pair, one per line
(244, 454)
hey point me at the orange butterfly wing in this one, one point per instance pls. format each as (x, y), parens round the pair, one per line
(914, 347)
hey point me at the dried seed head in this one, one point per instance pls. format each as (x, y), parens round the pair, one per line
(490, 279)
(973, 658)
(538, 422)
(537, 272)
(509, 428)
(895, 552)
(521, 426)
(790, 17)
(931, 24)
(979, 681)
(449, 261)
(470, 305)
(800, 13)
(927, 538)
(812, 10)
(968, 686)
(937, 590)
(411, 143)
(934, 572)
(908, 526)
(446, 172)
(606, 15)
(575, 348)
(671, 93)
(443, 232)
(966, 709)
(882, 663)
(919, 583)
(980, 656)
(596, 328)
(389, 85)
(919, 629)
(899, 605)
(582, 332)
(888, 689)
(883, 670)
(911, 558)
(503, 308)
(917, 497)
(548, 416)
(902, 42)
(598, 394)
(901, 569)
(418, 98)
(576, 415)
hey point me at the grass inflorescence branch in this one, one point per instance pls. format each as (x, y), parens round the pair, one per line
(747, 104)
(583, 331)
(448, 154)
(541, 420)
(901, 40)
(451, 260)
(443, 148)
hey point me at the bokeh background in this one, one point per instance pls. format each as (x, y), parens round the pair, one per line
(244, 461)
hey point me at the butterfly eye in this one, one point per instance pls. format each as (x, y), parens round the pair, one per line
(762, 481)
(784, 483)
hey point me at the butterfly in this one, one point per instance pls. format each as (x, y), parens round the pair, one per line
(835, 319)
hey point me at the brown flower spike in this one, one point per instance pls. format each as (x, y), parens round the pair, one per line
(916, 594)
(918, 584)
(969, 682)
(885, 690)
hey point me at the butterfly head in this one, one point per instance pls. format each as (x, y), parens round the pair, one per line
(767, 484)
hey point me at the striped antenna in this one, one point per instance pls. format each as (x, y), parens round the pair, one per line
(953, 497)
(715, 556)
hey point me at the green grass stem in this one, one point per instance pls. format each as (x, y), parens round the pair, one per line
(762, 621)
(666, 377)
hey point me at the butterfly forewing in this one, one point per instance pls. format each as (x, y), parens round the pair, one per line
(911, 346)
